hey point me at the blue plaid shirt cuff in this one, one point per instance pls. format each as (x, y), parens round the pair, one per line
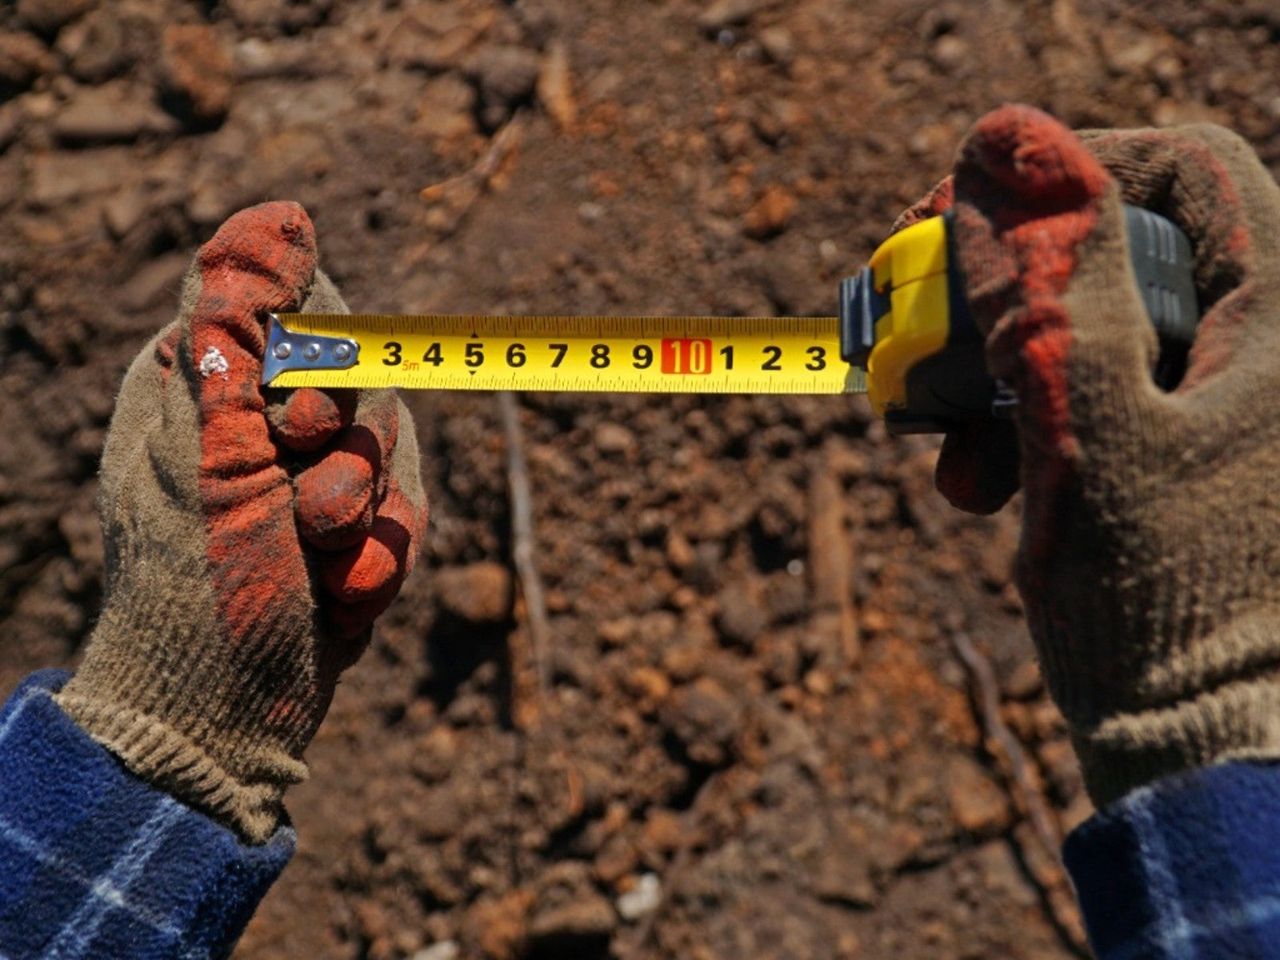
(1186, 868)
(96, 863)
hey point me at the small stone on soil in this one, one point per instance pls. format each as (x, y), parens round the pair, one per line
(778, 44)
(1025, 682)
(506, 74)
(614, 438)
(22, 58)
(726, 13)
(196, 70)
(978, 805)
(118, 112)
(704, 717)
(99, 46)
(478, 593)
(770, 214)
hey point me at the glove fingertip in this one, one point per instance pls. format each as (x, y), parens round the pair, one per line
(334, 502)
(977, 468)
(1023, 160)
(337, 498)
(307, 419)
(380, 562)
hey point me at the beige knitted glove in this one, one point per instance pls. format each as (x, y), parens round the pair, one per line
(249, 545)
(1150, 558)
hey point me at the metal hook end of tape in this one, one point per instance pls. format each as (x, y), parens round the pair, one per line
(288, 350)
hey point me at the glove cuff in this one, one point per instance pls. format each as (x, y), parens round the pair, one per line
(223, 734)
(1236, 721)
(171, 761)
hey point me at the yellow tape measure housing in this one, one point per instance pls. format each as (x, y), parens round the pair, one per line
(911, 268)
(795, 355)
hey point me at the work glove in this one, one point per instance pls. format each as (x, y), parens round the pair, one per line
(252, 536)
(1150, 555)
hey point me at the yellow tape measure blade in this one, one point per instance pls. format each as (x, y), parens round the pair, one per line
(780, 355)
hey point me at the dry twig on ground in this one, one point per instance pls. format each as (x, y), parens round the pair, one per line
(523, 545)
(986, 696)
(451, 199)
(829, 559)
(1003, 745)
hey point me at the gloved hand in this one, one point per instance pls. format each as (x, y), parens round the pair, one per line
(1150, 555)
(249, 545)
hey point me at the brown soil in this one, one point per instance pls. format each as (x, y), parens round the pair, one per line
(796, 790)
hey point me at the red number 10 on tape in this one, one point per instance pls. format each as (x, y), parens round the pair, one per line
(686, 356)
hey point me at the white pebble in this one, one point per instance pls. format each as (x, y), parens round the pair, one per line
(444, 950)
(643, 898)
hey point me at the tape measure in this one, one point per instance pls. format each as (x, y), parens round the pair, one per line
(903, 334)
(795, 355)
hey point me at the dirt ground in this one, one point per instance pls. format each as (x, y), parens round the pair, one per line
(758, 740)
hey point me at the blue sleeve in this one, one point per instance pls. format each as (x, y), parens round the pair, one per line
(1187, 868)
(96, 863)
